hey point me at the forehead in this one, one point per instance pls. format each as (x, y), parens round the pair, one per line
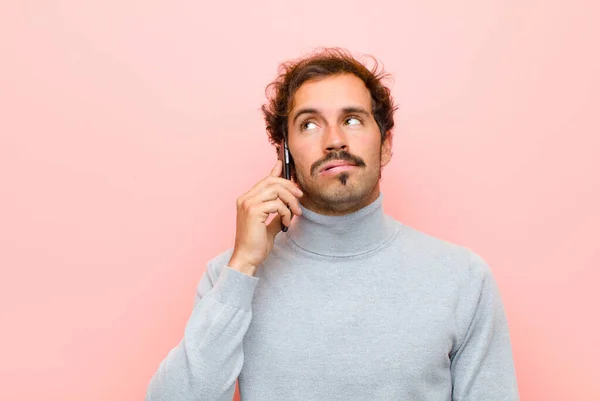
(333, 93)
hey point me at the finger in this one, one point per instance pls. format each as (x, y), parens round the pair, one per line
(276, 171)
(274, 227)
(274, 175)
(277, 206)
(263, 185)
(278, 192)
(289, 200)
(291, 186)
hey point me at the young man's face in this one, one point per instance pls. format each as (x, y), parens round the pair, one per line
(331, 125)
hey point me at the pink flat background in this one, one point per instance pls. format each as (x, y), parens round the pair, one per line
(129, 128)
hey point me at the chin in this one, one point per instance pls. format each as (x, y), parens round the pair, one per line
(341, 192)
(343, 196)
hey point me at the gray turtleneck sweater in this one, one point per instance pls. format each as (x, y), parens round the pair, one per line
(357, 307)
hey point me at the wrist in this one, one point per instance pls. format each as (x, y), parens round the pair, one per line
(242, 266)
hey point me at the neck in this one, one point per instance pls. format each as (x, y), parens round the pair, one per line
(341, 236)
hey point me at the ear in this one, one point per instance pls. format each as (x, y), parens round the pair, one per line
(386, 149)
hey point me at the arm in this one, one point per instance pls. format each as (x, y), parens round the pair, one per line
(482, 364)
(206, 363)
(204, 366)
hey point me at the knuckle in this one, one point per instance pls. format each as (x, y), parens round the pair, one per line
(245, 205)
(271, 191)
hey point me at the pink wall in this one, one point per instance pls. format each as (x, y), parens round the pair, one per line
(128, 129)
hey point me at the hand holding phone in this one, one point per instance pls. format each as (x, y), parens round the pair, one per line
(254, 237)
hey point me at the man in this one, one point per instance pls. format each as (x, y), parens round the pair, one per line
(348, 303)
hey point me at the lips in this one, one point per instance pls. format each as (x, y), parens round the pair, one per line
(334, 164)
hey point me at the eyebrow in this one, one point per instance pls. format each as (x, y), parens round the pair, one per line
(345, 110)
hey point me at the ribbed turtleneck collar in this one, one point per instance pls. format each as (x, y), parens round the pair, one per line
(342, 236)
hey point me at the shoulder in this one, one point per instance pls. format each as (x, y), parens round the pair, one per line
(455, 272)
(424, 244)
(442, 254)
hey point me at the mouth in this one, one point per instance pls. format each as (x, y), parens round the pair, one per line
(336, 167)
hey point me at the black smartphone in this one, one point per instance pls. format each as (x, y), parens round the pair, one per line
(287, 174)
(284, 155)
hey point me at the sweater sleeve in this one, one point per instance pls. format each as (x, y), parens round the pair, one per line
(207, 361)
(482, 365)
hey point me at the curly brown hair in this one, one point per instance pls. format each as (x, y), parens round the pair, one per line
(321, 64)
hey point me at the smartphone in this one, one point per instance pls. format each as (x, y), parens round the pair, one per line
(287, 174)
(284, 155)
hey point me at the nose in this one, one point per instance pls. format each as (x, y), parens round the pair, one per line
(335, 139)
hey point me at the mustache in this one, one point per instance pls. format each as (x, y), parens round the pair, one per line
(341, 155)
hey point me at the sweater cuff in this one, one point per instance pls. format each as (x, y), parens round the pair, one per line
(234, 288)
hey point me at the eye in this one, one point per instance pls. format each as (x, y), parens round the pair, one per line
(308, 125)
(352, 120)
